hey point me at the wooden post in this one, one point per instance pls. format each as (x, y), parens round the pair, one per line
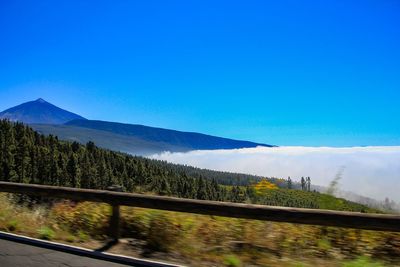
(115, 216)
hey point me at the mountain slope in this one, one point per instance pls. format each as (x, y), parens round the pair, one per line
(104, 139)
(184, 140)
(39, 111)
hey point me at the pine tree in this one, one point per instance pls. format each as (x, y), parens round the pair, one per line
(8, 149)
(308, 184)
(303, 184)
(201, 189)
(73, 171)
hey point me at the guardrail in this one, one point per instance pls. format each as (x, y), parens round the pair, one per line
(380, 222)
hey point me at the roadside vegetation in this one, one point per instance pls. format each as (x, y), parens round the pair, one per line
(199, 240)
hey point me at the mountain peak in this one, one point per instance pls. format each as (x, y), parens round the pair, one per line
(40, 100)
(39, 111)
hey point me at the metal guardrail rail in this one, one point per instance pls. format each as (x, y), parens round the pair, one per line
(380, 222)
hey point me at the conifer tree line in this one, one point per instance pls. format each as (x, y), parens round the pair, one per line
(29, 157)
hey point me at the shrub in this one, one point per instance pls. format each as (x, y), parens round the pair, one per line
(362, 262)
(46, 233)
(12, 225)
(232, 261)
(91, 218)
(70, 238)
(134, 222)
(162, 233)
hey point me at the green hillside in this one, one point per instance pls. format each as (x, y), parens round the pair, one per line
(29, 157)
(305, 199)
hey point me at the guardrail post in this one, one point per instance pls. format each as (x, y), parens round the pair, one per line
(115, 216)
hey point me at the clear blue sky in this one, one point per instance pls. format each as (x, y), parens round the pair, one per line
(321, 73)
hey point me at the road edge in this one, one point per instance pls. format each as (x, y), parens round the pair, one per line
(79, 251)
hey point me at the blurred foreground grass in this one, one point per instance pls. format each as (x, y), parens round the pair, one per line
(199, 240)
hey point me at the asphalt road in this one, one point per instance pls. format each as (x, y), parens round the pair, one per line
(15, 254)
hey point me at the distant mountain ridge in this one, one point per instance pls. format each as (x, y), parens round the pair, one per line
(130, 138)
(39, 111)
(188, 140)
(104, 139)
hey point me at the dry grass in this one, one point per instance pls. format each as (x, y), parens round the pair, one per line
(203, 240)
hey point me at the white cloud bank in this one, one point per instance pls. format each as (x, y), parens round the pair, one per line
(370, 171)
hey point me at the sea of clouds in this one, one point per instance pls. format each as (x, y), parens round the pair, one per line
(369, 171)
